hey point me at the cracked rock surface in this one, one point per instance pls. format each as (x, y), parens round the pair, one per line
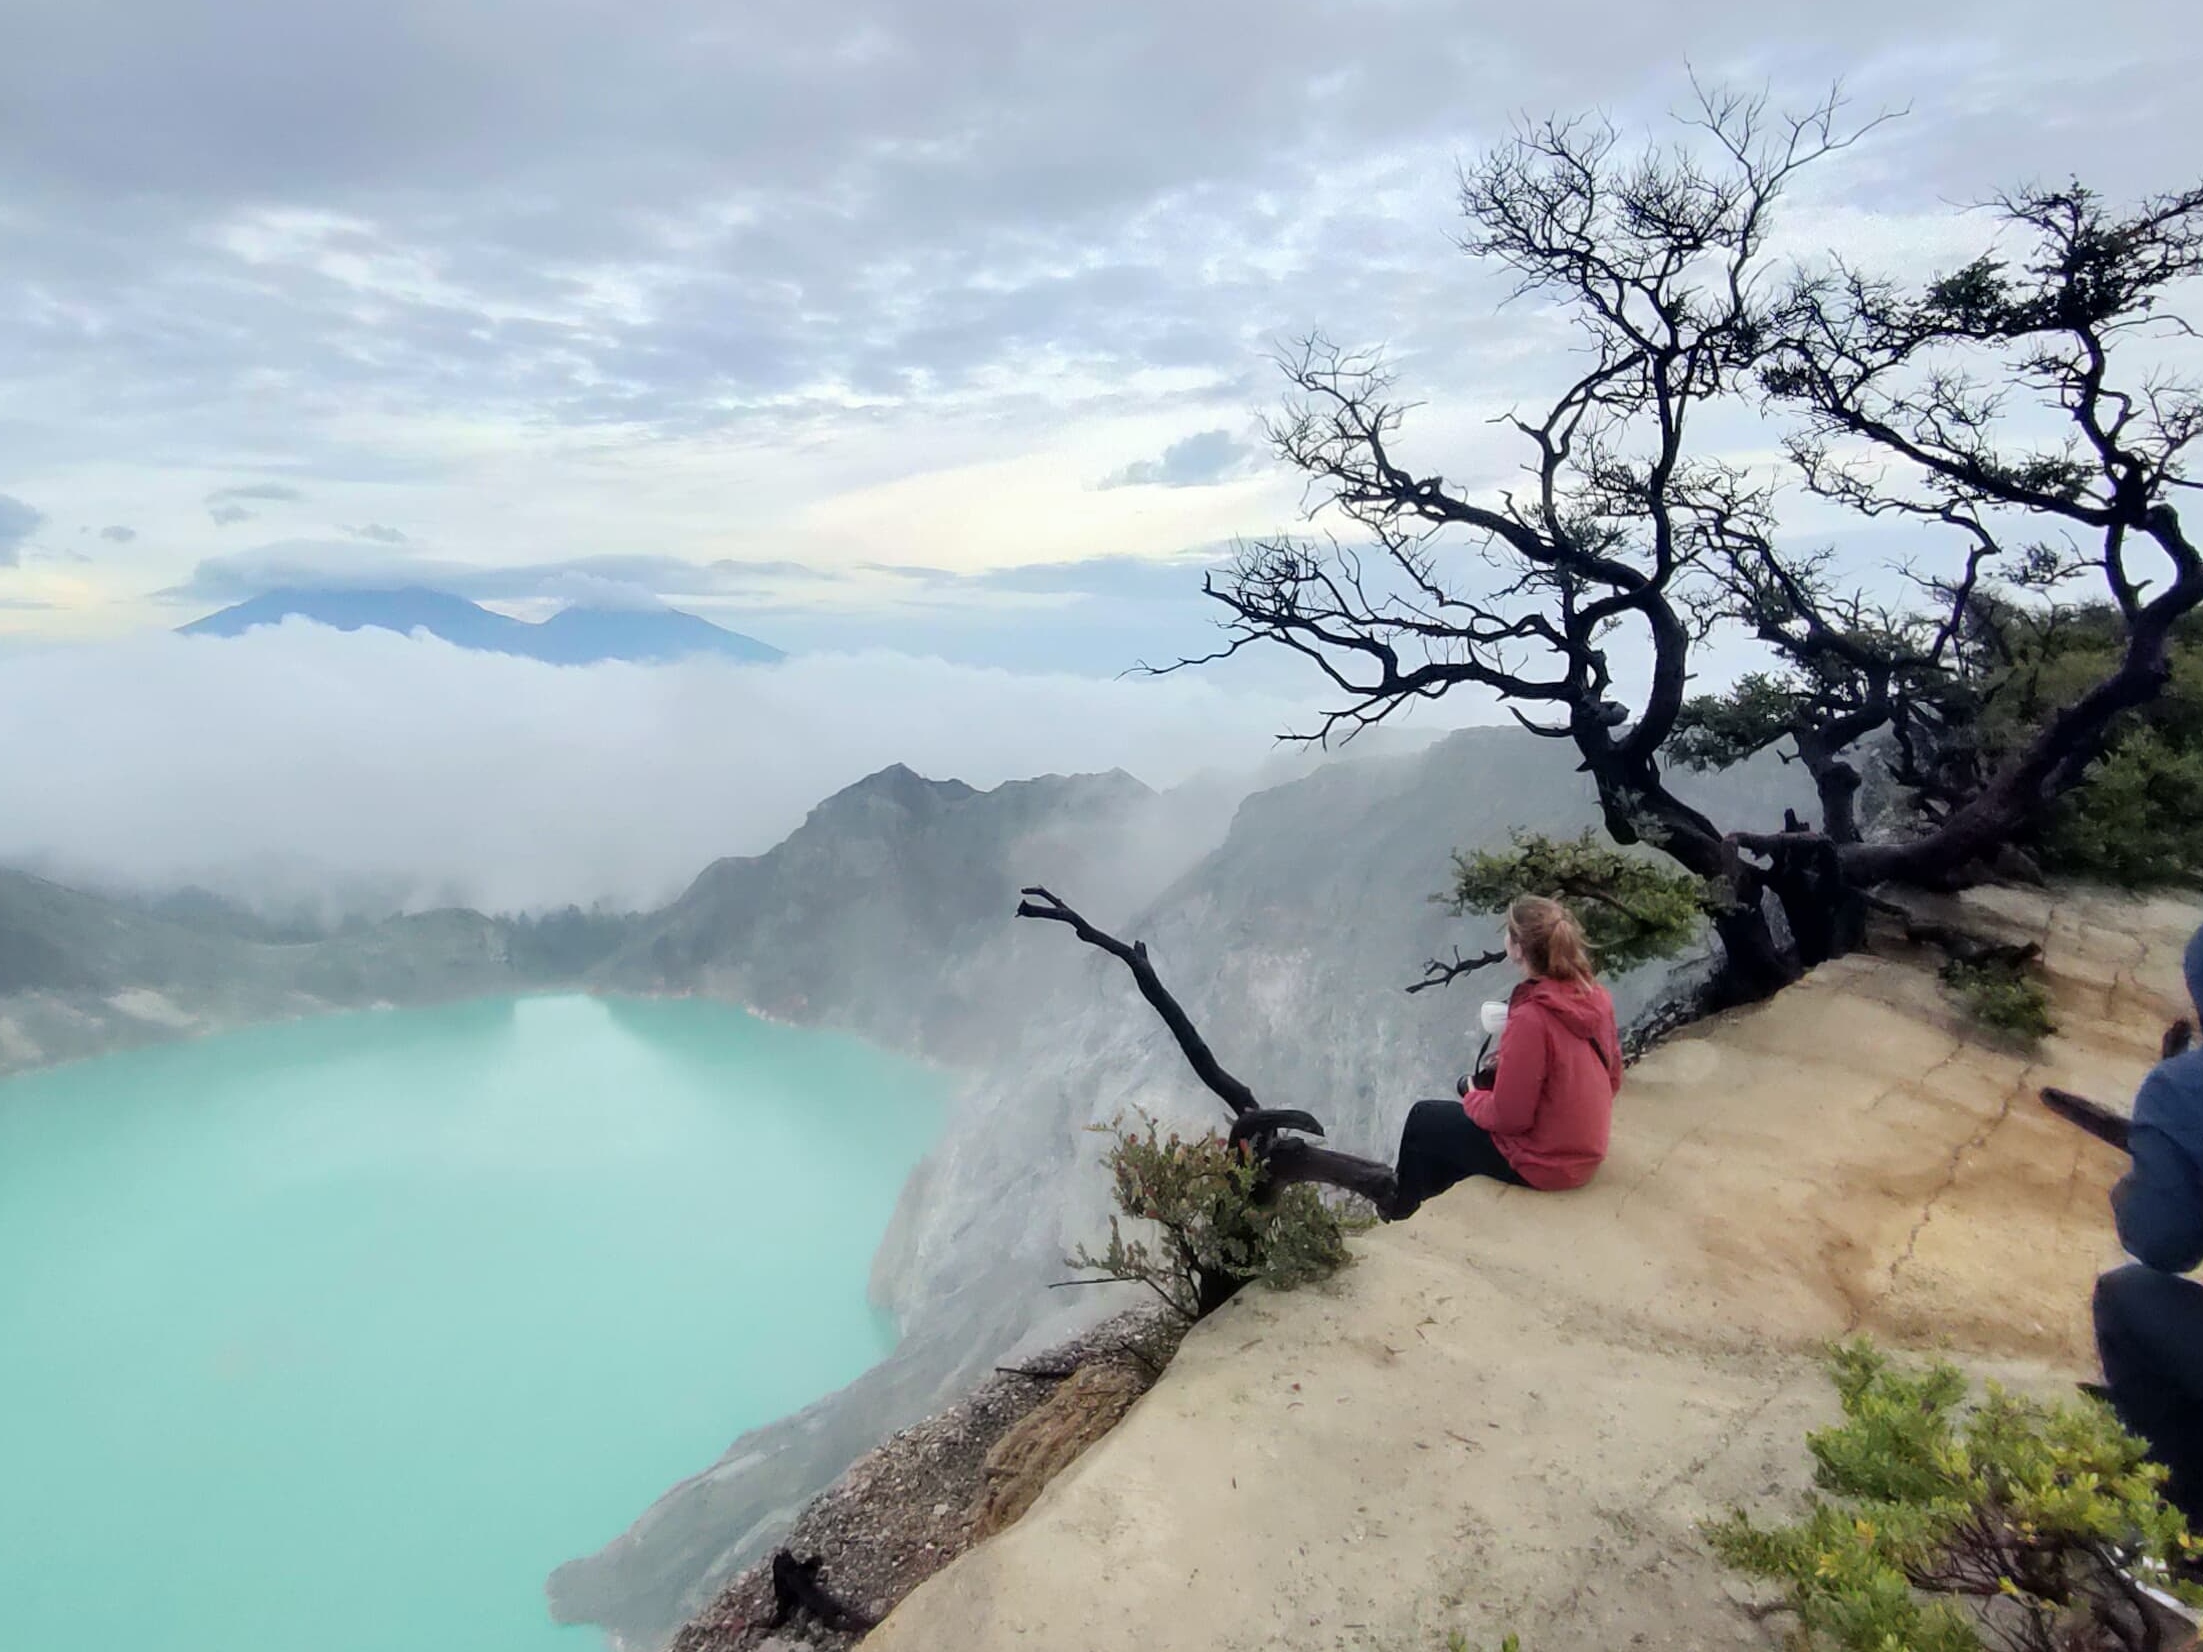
(1514, 1409)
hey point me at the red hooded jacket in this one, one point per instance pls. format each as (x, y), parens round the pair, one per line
(1560, 1064)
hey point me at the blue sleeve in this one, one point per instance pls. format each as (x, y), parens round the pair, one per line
(2159, 1203)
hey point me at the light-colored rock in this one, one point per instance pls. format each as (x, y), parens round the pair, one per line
(1049, 1439)
(1513, 1411)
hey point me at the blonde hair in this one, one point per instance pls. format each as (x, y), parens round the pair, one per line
(1551, 940)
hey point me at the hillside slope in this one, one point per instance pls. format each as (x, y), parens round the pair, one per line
(81, 973)
(1510, 1413)
(886, 911)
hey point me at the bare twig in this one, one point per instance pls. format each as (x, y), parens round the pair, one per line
(1439, 973)
(1039, 903)
(1284, 1161)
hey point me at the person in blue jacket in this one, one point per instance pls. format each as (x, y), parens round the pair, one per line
(2149, 1320)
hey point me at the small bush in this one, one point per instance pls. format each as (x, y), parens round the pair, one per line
(2137, 818)
(1631, 908)
(2038, 1516)
(2005, 997)
(1210, 1236)
(2138, 822)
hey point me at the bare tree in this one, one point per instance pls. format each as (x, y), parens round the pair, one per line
(1627, 539)
(1906, 399)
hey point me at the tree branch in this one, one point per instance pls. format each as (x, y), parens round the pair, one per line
(1439, 973)
(1039, 903)
(1284, 1160)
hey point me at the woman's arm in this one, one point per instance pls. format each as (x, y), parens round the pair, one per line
(1511, 1105)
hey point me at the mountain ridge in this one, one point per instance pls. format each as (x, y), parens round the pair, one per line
(891, 868)
(869, 915)
(82, 974)
(577, 635)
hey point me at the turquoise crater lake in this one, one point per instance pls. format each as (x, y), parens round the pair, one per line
(342, 1333)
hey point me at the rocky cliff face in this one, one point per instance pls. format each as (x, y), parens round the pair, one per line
(1511, 1412)
(886, 912)
(1289, 942)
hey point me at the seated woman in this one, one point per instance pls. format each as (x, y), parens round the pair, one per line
(1543, 1123)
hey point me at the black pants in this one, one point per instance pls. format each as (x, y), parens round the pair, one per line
(2149, 1334)
(1440, 1145)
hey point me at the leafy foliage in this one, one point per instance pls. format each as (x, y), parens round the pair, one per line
(2002, 995)
(2039, 1515)
(2139, 821)
(2139, 818)
(1210, 1235)
(1630, 909)
(1713, 731)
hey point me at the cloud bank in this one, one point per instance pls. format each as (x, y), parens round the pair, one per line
(1197, 461)
(336, 564)
(384, 768)
(18, 522)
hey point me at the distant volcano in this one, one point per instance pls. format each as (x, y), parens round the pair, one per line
(574, 636)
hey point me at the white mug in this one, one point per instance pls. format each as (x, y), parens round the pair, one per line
(1494, 1015)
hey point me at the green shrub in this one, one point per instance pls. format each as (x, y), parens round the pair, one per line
(1209, 1235)
(2139, 819)
(2001, 995)
(2034, 1515)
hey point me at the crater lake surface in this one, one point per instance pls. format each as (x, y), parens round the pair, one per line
(343, 1333)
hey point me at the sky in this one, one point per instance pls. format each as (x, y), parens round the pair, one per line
(942, 328)
(927, 341)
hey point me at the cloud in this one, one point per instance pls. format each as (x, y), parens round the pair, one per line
(539, 273)
(118, 535)
(337, 564)
(405, 765)
(226, 507)
(377, 532)
(1196, 461)
(1127, 578)
(667, 224)
(595, 591)
(18, 522)
(279, 492)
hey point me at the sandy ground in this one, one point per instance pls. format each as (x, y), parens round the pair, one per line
(1512, 1411)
